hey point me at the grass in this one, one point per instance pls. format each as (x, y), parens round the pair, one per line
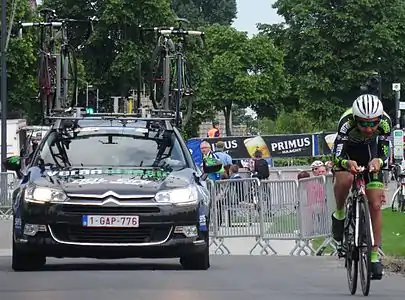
(393, 235)
(283, 224)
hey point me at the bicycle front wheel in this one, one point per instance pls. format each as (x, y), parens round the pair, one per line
(351, 258)
(365, 246)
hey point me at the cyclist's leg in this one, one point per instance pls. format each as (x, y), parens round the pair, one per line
(376, 196)
(343, 182)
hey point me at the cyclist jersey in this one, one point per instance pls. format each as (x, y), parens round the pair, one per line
(350, 137)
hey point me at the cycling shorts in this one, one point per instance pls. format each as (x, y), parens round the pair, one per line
(363, 154)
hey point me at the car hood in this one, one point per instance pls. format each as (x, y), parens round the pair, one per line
(119, 181)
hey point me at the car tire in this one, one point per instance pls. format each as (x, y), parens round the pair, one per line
(26, 261)
(198, 261)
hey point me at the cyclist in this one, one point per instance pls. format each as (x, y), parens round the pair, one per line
(362, 140)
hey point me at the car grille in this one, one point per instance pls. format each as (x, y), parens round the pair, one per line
(80, 234)
(105, 210)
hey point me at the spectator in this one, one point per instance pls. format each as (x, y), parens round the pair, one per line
(313, 206)
(317, 169)
(259, 166)
(210, 159)
(224, 157)
(303, 174)
(234, 172)
(322, 170)
(214, 131)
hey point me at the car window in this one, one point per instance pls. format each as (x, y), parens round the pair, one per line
(109, 149)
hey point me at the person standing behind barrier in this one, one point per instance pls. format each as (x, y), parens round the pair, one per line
(234, 193)
(259, 166)
(225, 158)
(214, 131)
(303, 174)
(234, 172)
(317, 169)
(210, 159)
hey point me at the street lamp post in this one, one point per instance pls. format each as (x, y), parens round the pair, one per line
(88, 86)
(3, 97)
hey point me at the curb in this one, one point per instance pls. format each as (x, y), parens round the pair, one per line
(5, 252)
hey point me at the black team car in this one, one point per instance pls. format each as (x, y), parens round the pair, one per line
(110, 186)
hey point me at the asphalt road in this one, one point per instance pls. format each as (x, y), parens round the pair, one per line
(230, 277)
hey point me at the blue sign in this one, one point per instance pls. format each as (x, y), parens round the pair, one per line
(194, 148)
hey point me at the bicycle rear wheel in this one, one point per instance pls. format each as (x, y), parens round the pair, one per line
(46, 84)
(156, 78)
(351, 258)
(69, 76)
(365, 246)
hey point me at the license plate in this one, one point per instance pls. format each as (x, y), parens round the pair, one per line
(110, 221)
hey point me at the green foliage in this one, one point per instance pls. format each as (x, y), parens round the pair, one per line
(329, 51)
(297, 121)
(206, 12)
(242, 71)
(298, 76)
(21, 68)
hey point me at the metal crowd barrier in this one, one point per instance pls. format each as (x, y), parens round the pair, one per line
(7, 181)
(272, 210)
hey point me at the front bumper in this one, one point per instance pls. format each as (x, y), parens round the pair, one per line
(56, 230)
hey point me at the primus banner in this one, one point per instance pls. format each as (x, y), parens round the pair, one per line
(242, 147)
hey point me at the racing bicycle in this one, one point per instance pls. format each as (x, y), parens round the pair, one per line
(398, 199)
(358, 238)
(57, 63)
(168, 78)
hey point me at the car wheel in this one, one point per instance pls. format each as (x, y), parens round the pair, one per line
(198, 261)
(26, 261)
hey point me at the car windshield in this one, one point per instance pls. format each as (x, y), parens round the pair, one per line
(109, 148)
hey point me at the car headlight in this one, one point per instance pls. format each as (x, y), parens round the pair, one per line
(42, 194)
(182, 196)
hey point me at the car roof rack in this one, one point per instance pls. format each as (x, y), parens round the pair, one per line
(80, 113)
(156, 119)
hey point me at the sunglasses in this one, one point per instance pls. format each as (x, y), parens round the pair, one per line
(368, 123)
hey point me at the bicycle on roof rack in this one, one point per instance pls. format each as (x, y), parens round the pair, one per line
(57, 63)
(169, 80)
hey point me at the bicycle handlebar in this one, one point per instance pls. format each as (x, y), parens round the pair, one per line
(55, 23)
(165, 30)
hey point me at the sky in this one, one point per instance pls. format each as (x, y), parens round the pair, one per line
(249, 15)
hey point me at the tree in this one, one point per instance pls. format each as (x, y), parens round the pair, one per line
(113, 53)
(21, 68)
(330, 50)
(239, 70)
(206, 12)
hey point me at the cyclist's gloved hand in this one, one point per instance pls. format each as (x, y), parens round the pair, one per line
(352, 166)
(374, 165)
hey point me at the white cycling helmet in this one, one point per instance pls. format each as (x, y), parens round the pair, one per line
(317, 164)
(367, 107)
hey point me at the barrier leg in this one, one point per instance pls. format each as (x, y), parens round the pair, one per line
(220, 248)
(327, 242)
(5, 213)
(265, 246)
(303, 246)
